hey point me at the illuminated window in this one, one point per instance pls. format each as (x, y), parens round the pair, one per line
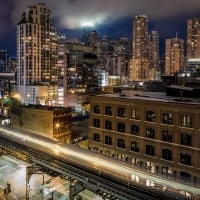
(150, 133)
(167, 118)
(134, 114)
(186, 121)
(150, 116)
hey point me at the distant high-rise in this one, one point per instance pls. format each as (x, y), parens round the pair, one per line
(193, 38)
(154, 50)
(154, 57)
(36, 46)
(89, 36)
(174, 55)
(4, 61)
(36, 52)
(140, 37)
(139, 65)
(193, 45)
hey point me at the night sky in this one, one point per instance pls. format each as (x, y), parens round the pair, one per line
(113, 18)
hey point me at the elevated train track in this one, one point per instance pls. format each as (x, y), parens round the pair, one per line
(90, 176)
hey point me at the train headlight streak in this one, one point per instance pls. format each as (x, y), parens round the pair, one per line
(99, 162)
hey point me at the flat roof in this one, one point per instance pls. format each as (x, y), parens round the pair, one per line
(153, 96)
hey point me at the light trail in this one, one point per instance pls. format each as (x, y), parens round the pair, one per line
(103, 164)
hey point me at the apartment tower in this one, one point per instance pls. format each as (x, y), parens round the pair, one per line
(174, 56)
(139, 65)
(36, 49)
(193, 45)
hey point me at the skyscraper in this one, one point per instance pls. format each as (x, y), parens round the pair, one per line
(140, 37)
(174, 56)
(154, 57)
(36, 48)
(139, 65)
(193, 45)
(193, 38)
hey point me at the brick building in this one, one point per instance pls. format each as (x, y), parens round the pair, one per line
(158, 132)
(52, 122)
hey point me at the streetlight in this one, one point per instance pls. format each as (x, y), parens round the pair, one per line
(57, 127)
(52, 190)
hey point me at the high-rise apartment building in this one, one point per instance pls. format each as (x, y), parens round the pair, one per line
(193, 38)
(174, 56)
(140, 37)
(139, 65)
(36, 48)
(193, 45)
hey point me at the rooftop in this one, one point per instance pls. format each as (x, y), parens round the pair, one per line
(153, 96)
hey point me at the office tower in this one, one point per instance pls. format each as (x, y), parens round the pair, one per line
(154, 57)
(193, 45)
(36, 48)
(174, 56)
(79, 73)
(139, 67)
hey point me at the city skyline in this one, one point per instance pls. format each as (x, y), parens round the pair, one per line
(111, 19)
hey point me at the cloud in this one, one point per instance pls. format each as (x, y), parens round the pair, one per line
(70, 13)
